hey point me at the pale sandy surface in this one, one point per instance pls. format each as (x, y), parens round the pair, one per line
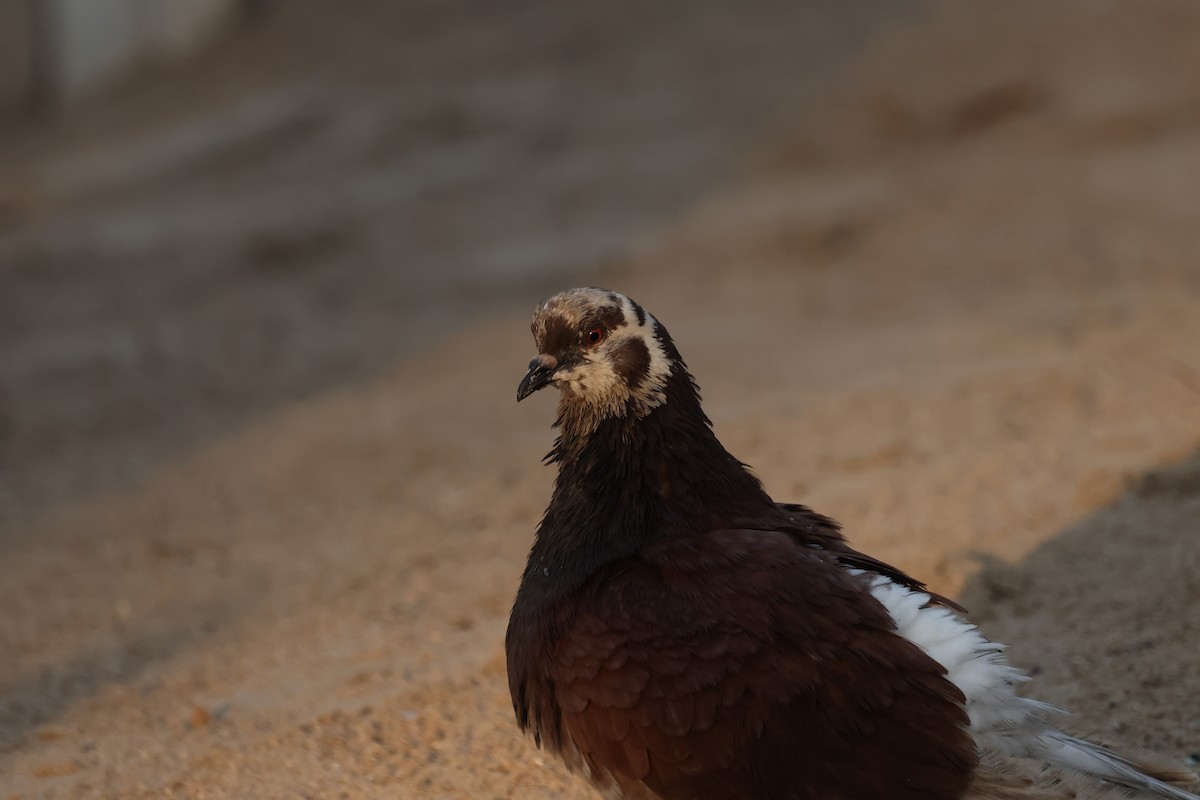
(264, 490)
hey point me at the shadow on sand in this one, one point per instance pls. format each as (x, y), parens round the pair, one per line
(42, 696)
(1106, 615)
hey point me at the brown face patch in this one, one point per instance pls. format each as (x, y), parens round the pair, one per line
(632, 362)
(611, 317)
(557, 336)
(562, 322)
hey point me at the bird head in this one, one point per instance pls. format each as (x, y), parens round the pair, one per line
(607, 356)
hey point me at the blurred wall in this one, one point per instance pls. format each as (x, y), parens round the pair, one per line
(59, 50)
(17, 74)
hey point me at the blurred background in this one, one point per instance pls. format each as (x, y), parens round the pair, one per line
(266, 271)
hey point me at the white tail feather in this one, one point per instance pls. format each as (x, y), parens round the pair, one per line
(1002, 722)
(1100, 762)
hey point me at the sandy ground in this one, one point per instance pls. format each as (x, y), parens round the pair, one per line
(265, 493)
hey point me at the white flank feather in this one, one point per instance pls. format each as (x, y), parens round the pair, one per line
(1002, 723)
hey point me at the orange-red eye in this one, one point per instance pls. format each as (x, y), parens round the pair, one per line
(596, 335)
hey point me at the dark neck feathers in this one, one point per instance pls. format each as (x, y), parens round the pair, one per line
(632, 480)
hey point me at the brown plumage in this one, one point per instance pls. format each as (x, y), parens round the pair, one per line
(712, 693)
(679, 635)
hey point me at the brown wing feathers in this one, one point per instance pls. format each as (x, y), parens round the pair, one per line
(796, 701)
(816, 530)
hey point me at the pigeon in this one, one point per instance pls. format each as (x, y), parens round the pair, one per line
(679, 635)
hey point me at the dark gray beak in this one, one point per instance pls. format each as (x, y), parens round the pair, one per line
(541, 372)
